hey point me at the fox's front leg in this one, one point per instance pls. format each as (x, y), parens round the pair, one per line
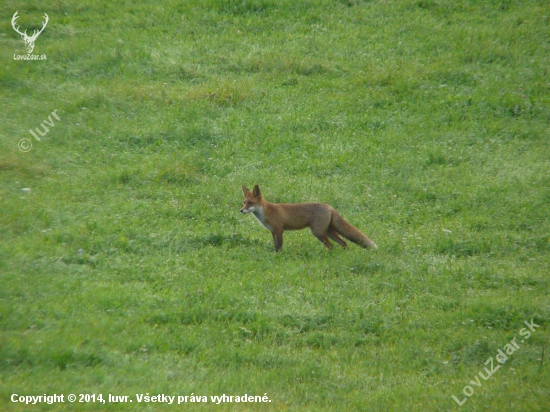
(278, 239)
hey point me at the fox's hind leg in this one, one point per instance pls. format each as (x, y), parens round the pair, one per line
(322, 236)
(331, 233)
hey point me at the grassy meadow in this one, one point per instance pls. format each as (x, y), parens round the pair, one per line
(126, 267)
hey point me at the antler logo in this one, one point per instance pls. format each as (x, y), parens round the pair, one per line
(29, 40)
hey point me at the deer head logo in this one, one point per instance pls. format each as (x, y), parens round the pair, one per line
(29, 40)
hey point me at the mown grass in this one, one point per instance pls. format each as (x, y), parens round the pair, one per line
(128, 269)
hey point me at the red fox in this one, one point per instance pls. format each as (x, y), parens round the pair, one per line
(323, 220)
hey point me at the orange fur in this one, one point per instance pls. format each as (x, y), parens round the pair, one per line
(323, 220)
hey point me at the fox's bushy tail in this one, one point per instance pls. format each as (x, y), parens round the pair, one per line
(344, 228)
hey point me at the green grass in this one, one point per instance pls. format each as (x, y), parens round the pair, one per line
(128, 268)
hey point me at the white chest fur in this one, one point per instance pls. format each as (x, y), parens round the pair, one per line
(259, 213)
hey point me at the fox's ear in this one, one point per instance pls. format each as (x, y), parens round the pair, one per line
(245, 191)
(256, 191)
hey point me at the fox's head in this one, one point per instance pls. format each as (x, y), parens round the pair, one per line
(252, 200)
